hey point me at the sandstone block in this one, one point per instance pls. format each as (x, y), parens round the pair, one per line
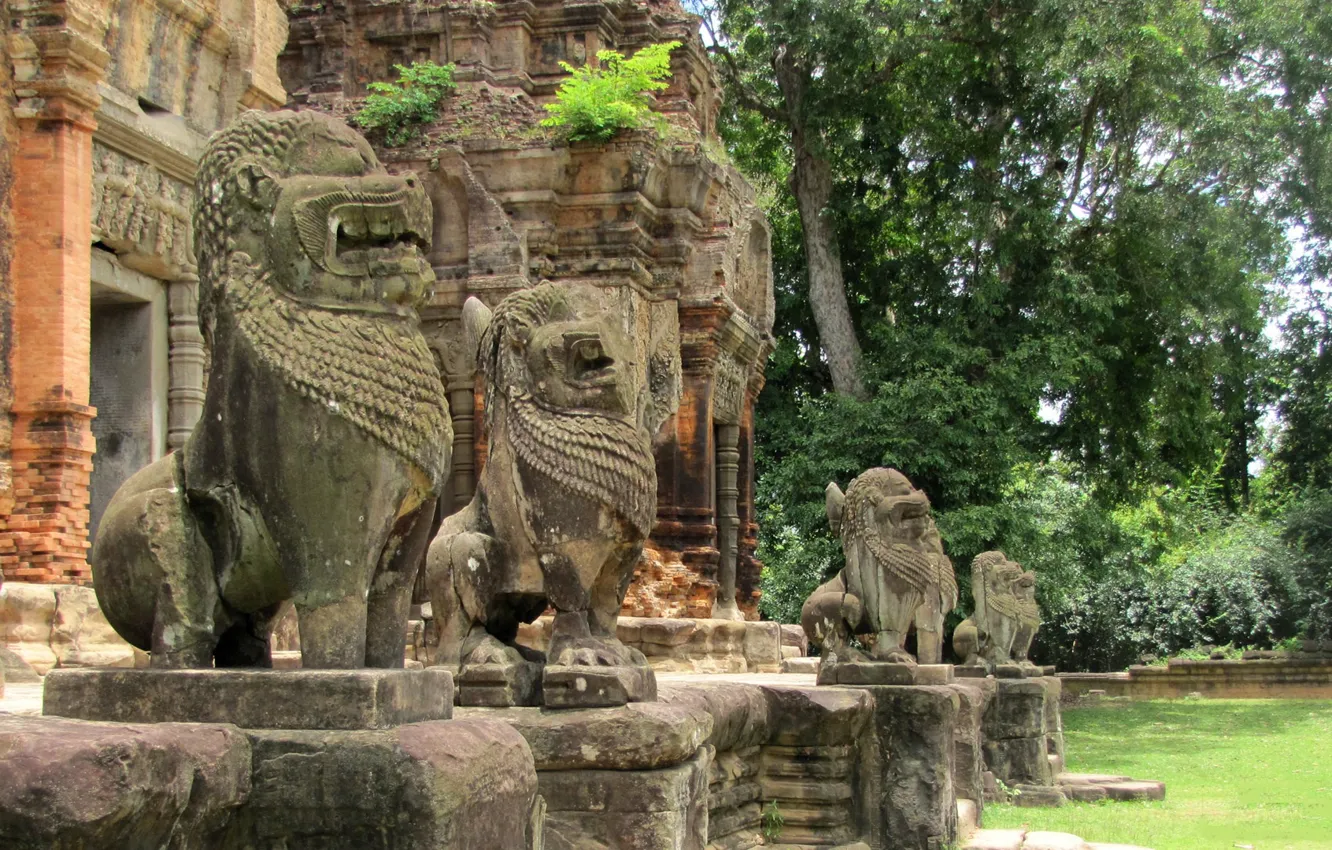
(1018, 760)
(664, 632)
(763, 647)
(1018, 710)
(67, 783)
(465, 785)
(807, 717)
(1038, 796)
(803, 665)
(915, 728)
(739, 712)
(794, 635)
(638, 736)
(253, 699)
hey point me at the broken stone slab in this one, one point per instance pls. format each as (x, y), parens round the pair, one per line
(500, 685)
(1084, 793)
(69, 783)
(803, 665)
(1090, 778)
(637, 736)
(253, 699)
(1038, 796)
(585, 686)
(1135, 789)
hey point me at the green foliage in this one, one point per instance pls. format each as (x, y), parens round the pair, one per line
(1064, 229)
(594, 104)
(1308, 529)
(398, 111)
(773, 821)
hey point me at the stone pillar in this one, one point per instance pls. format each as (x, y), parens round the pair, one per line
(462, 407)
(728, 521)
(58, 61)
(186, 360)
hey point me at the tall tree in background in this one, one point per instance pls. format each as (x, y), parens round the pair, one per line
(1059, 222)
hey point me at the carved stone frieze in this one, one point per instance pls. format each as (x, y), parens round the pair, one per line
(136, 208)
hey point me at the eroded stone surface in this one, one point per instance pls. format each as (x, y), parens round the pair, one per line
(66, 783)
(276, 699)
(637, 736)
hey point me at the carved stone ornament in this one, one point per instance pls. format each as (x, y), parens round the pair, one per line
(313, 473)
(1006, 619)
(728, 391)
(137, 207)
(896, 573)
(566, 499)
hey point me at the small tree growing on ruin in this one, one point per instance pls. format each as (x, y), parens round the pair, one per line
(397, 111)
(596, 103)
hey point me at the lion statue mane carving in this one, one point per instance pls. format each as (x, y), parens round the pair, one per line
(567, 497)
(325, 438)
(1006, 618)
(896, 573)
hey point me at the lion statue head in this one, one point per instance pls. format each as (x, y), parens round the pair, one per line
(888, 519)
(311, 254)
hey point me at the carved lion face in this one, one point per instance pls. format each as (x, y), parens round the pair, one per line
(339, 230)
(581, 363)
(902, 513)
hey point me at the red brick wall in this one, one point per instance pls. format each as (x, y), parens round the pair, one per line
(44, 536)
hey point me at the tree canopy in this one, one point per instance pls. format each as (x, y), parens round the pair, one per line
(1061, 229)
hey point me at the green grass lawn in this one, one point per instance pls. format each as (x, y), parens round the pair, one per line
(1237, 773)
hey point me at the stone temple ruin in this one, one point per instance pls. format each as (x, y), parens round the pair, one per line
(416, 398)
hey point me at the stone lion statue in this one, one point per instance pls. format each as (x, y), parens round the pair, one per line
(896, 572)
(1001, 629)
(325, 438)
(566, 498)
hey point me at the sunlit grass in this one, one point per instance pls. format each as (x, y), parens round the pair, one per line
(1238, 773)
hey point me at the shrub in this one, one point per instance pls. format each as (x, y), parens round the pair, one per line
(594, 104)
(1309, 532)
(397, 111)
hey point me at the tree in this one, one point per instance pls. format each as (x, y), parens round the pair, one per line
(1060, 224)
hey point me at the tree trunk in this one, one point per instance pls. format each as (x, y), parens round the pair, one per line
(812, 182)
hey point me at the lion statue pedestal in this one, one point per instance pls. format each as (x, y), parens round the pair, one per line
(313, 475)
(896, 575)
(567, 497)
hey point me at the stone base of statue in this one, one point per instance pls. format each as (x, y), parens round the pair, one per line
(583, 686)
(500, 685)
(971, 671)
(253, 699)
(883, 673)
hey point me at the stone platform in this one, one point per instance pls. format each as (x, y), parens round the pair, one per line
(253, 699)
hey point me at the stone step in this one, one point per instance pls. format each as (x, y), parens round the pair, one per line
(1021, 839)
(996, 839)
(1089, 778)
(1039, 840)
(1135, 789)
